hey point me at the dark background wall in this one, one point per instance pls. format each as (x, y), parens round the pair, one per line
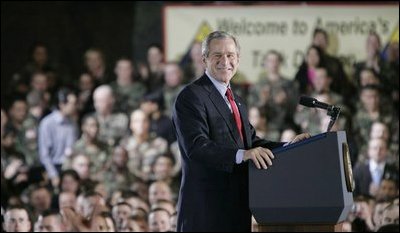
(70, 28)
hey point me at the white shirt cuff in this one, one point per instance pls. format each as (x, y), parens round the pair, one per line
(239, 156)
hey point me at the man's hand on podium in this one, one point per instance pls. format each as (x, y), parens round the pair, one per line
(299, 138)
(261, 157)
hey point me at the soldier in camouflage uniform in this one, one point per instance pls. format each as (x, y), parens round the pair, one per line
(322, 89)
(310, 119)
(142, 148)
(27, 141)
(369, 110)
(128, 92)
(28, 136)
(97, 151)
(387, 73)
(113, 126)
(271, 82)
(116, 175)
(172, 87)
(275, 94)
(340, 83)
(18, 113)
(322, 85)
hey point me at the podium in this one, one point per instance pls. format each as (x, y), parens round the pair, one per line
(308, 187)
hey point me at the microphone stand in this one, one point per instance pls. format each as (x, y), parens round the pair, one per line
(333, 112)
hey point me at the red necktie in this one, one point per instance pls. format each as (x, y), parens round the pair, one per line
(235, 111)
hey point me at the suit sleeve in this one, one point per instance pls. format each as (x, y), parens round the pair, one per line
(45, 146)
(190, 122)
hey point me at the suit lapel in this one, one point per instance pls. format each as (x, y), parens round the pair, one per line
(222, 108)
(224, 111)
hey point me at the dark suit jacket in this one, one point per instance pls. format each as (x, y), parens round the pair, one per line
(363, 177)
(214, 189)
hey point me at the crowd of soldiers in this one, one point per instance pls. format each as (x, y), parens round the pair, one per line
(99, 153)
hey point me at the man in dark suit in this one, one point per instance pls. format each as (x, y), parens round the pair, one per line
(215, 140)
(368, 175)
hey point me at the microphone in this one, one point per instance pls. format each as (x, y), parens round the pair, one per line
(333, 111)
(314, 103)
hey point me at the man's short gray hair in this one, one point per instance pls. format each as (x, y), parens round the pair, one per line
(103, 90)
(205, 46)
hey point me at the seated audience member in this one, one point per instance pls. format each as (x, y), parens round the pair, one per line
(112, 126)
(52, 222)
(17, 219)
(159, 220)
(142, 147)
(368, 175)
(120, 213)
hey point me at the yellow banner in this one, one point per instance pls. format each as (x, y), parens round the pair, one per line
(285, 28)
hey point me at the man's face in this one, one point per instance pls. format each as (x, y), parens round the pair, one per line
(69, 108)
(52, 223)
(223, 59)
(124, 70)
(272, 63)
(91, 127)
(321, 81)
(377, 150)
(139, 123)
(159, 191)
(163, 168)
(86, 82)
(103, 102)
(81, 165)
(370, 99)
(379, 130)
(41, 199)
(19, 111)
(69, 184)
(159, 221)
(172, 75)
(387, 190)
(17, 220)
(66, 199)
(120, 157)
(154, 56)
(93, 60)
(121, 213)
(39, 82)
